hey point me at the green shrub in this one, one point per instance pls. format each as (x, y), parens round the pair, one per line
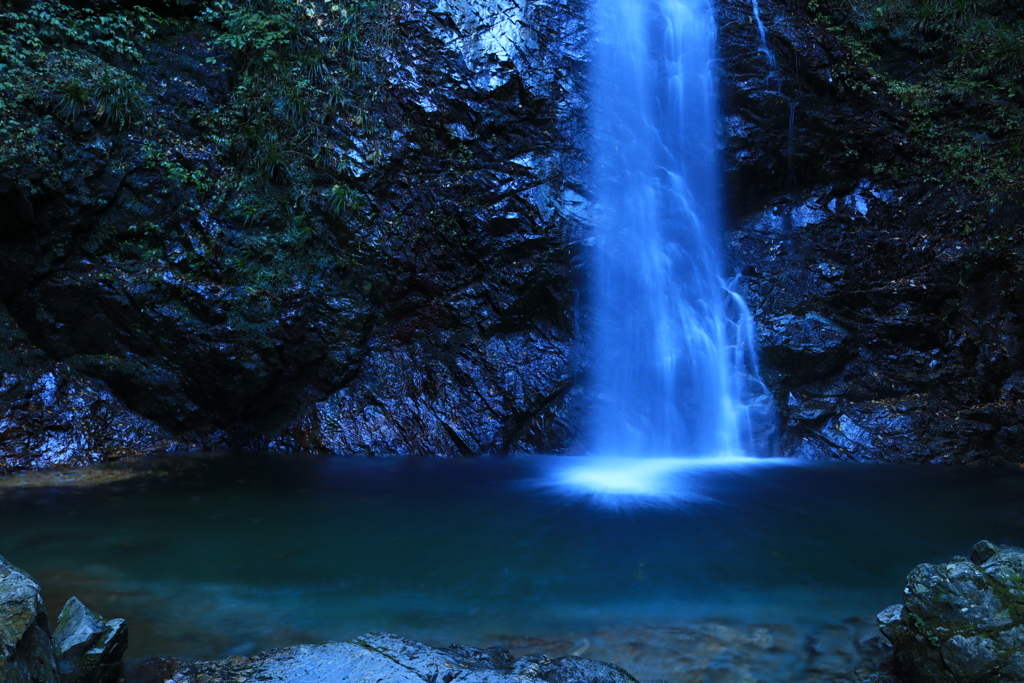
(74, 98)
(118, 99)
(955, 67)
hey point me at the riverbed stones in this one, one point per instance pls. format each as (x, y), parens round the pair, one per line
(391, 658)
(962, 620)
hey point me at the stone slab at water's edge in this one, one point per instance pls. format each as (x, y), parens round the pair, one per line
(387, 657)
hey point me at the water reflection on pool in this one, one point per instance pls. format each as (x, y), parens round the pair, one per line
(235, 554)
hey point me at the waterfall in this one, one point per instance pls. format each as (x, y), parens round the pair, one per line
(762, 36)
(673, 341)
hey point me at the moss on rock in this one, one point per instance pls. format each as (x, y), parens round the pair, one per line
(963, 621)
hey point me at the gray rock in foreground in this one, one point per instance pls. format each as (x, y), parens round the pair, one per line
(963, 621)
(26, 649)
(89, 649)
(378, 657)
(83, 649)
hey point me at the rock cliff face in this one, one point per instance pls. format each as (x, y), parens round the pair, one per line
(395, 264)
(473, 351)
(888, 326)
(423, 304)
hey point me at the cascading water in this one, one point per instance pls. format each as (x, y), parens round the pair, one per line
(762, 35)
(673, 342)
(774, 77)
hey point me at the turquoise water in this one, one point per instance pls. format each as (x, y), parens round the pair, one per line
(235, 554)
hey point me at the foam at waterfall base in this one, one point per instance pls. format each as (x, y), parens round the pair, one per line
(626, 481)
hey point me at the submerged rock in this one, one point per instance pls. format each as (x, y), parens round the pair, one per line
(387, 657)
(962, 620)
(724, 651)
(730, 651)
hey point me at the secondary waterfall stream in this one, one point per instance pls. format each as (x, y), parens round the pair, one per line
(673, 342)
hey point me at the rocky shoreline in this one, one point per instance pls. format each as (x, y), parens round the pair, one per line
(84, 648)
(963, 622)
(849, 652)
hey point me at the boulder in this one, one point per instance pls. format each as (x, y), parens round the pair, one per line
(88, 649)
(26, 649)
(962, 620)
(83, 649)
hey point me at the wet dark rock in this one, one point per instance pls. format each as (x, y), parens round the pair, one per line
(983, 551)
(52, 416)
(83, 649)
(445, 312)
(792, 123)
(386, 657)
(927, 369)
(475, 352)
(914, 368)
(26, 649)
(436, 318)
(88, 649)
(961, 620)
(802, 347)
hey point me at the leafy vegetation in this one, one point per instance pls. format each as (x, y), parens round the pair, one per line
(955, 66)
(59, 59)
(245, 112)
(299, 65)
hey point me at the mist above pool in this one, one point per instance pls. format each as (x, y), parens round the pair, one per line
(636, 480)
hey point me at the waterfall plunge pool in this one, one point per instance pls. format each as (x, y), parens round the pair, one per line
(232, 554)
